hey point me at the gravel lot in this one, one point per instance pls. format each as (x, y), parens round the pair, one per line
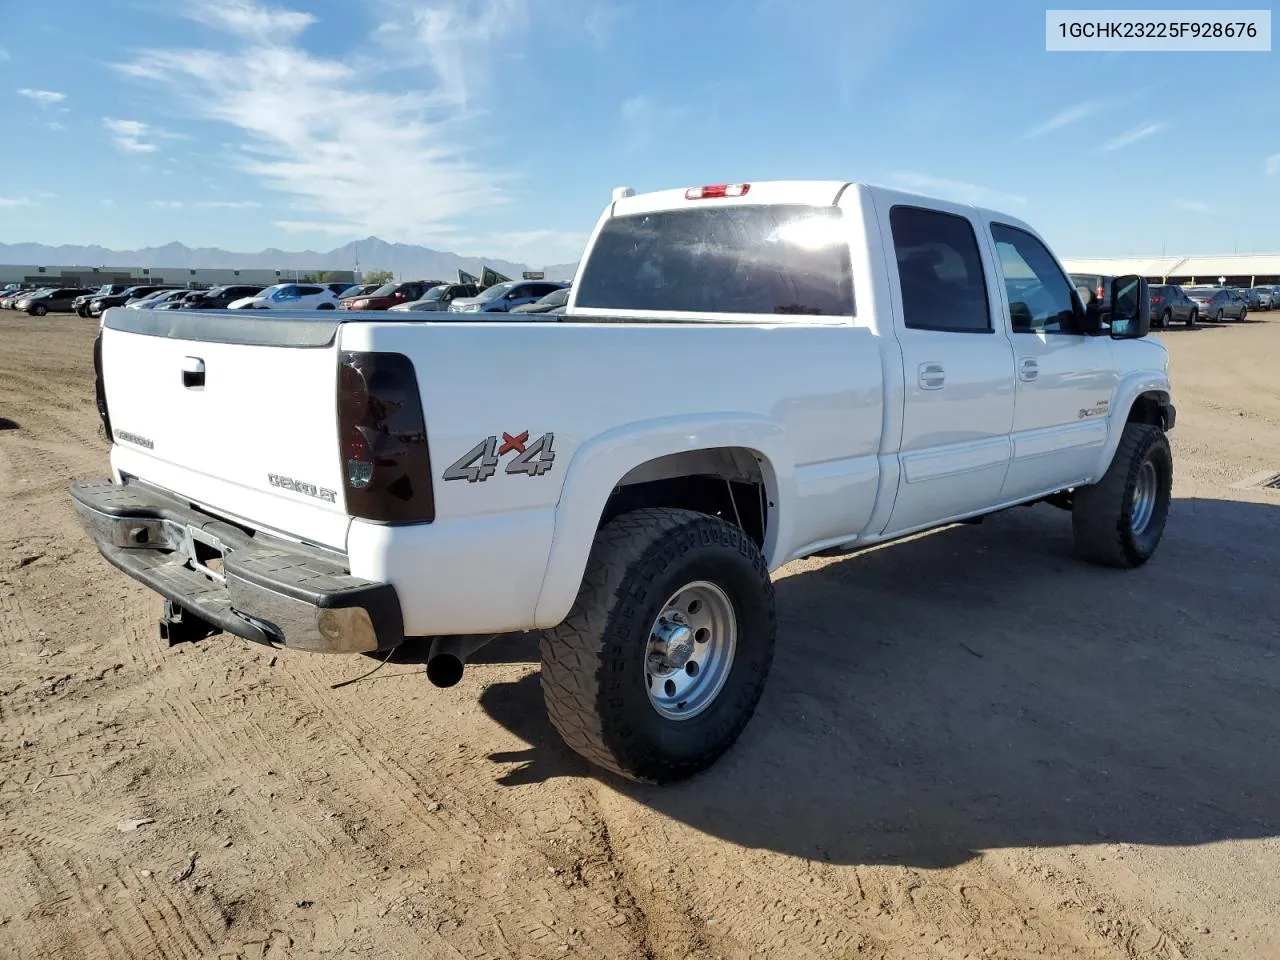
(972, 745)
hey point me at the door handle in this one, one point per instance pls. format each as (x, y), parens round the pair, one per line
(192, 372)
(1029, 369)
(932, 376)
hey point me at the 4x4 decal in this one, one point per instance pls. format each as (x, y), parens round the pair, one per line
(482, 461)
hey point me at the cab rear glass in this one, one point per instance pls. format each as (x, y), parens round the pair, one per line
(739, 258)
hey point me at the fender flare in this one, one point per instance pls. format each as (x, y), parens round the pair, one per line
(602, 461)
(1130, 388)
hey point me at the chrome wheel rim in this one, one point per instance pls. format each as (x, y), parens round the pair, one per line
(690, 650)
(1144, 498)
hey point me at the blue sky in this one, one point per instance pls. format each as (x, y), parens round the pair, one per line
(498, 127)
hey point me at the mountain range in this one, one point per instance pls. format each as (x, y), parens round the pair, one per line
(406, 261)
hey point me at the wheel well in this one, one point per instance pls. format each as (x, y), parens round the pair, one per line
(1148, 408)
(726, 482)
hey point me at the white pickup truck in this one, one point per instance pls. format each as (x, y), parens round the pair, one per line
(746, 374)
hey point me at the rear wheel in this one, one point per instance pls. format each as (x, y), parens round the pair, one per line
(661, 661)
(1119, 521)
(326, 306)
(1191, 318)
(1166, 318)
(1243, 314)
(1218, 317)
(39, 310)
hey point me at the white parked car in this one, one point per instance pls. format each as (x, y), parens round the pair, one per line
(746, 375)
(289, 296)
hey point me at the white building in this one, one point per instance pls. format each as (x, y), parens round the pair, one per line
(79, 276)
(1239, 270)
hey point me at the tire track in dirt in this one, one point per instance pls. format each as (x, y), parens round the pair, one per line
(454, 782)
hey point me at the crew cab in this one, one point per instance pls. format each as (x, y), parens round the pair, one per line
(745, 375)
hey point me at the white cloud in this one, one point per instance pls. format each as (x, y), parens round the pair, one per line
(46, 98)
(957, 190)
(55, 125)
(447, 36)
(168, 204)
(249, 19)
(108, 203)
(227, 204)
(16, 202)
(366, 161)
(1272, 164)
(1194, 206)
(128, 135)
(1150, 128)
(4, 55)
(1064, 118)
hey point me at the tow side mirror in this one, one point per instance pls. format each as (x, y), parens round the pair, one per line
(1130, 312)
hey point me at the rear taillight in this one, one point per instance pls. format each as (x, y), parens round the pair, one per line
(1102, 291)
(1155, 299)
(717, 190)
(386, 468)
(100, 389)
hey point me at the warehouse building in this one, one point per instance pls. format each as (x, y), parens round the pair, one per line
(1233, 270)
(76, 276)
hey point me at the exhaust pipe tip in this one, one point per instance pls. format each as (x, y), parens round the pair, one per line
(448, 657)
(444, 669)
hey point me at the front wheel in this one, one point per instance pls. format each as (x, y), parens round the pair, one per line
(39, 310)
(661, 661)
(1191, 318)
(326, 306)
(1243, 314)
(1166, 319)
(1218, 318)
(1119, 521)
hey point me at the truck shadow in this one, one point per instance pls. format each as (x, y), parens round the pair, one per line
(981, 688)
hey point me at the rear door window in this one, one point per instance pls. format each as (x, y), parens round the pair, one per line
(940, 271)
(755, 259)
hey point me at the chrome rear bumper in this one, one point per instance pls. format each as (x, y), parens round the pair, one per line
(262, 589)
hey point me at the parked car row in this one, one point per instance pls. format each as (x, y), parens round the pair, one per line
(511, 296)
(42, 301)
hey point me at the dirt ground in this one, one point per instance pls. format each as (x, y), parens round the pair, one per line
(972, 745)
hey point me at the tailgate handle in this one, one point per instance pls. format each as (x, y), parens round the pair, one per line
(192, 372)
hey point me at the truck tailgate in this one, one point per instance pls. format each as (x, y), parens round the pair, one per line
(236, 414)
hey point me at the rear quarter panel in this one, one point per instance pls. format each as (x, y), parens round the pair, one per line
(807, 397)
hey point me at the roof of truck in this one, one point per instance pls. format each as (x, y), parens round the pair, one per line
(808, 192)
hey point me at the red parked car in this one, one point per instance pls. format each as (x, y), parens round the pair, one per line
(390, 294)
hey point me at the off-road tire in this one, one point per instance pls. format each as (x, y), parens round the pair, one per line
(593, 663)
(1101, 513)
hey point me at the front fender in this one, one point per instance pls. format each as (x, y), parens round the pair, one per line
(602, 461)
(1131, 387)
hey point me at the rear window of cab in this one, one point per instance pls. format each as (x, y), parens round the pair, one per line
(750, 259)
